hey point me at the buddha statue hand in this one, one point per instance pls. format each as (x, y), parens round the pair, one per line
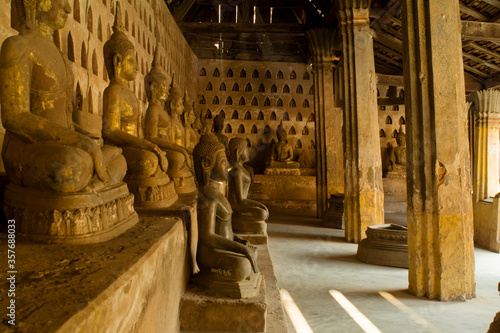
(91, 147)
(162, 158)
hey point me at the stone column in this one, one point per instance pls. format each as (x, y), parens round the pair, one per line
(329, 153)
(440, 229)
(364, 195)
(486, 144)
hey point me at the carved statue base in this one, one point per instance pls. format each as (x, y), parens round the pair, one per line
(246, 288)
(152, 192)
(76, 218)
(385, 244)
(185, 185)
(248, 224)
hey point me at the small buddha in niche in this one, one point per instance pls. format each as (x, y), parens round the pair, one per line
(51, 162)
(147, 163)
(397, 155)
(248, 215)
(227, 262)
(157, 130)
(218, 128)
(282, 154)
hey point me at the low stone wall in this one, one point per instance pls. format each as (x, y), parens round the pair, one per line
(295, 194)
(131, 283)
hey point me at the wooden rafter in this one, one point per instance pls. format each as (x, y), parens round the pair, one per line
(481, 61)
(475, 71)
(182, 10)
(495, 3)
(472, 12)
(213, 27)
(389, 60)
(484, 50)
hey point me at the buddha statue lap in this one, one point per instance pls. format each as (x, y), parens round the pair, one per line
(65, 185)
(146, 162)
(249, 216)
(228, 263)
(157, 130)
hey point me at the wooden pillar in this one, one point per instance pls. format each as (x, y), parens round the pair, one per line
(328, 118)
(440, 229)
(364, 195)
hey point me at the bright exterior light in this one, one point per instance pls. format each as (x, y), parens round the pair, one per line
(363, 322)
(296, 317)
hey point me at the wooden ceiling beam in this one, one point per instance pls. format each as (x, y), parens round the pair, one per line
(213, 27)
(494, 3)
(481, 61)
(389, 60)
(472, 30)
(474, 13)
(182, 10)
(484, 50)
(390, 80)
(389, 41)
(475, 71)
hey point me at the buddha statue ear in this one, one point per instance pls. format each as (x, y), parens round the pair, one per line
(117, 59)
(206, 164)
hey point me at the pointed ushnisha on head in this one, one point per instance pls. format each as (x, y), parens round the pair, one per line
(155, 65)
(118, 43)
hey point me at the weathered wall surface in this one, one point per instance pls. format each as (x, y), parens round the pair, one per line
(90, 26)
(254, 97)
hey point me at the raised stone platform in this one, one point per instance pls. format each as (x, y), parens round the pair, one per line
(385, 244)
(133, 281)
(256, 239)
(201, 312)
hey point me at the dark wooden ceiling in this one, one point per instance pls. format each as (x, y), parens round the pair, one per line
(274, 30)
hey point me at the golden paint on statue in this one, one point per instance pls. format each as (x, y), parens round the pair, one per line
(146, 162)
(63, 182)
(157, 130)
(249, 216)
(228, 263)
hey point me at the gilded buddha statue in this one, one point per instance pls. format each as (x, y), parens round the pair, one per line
(65, 184)
(146, 162)
(157, 130)
(228, 263)
(249, 216)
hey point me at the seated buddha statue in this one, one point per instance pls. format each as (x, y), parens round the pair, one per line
(397, 155)
(218, 128)
(146, 162)
(63, 179)
(282, 154)
(228, 264)
(191, 134)
(157, 130)
(248, 215)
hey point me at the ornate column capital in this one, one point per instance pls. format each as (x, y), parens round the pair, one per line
(487, 103)
(354, 12)
(322, 50)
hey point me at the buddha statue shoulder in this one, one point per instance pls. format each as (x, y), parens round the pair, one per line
(221, 255)
(43, 149)
(158, 126)
(248, 215)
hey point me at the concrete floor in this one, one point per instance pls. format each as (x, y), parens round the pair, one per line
(311, 260)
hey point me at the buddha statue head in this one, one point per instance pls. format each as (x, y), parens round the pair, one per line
(155, 82)
(119, 53)
(218, 124)
(47, 15)
(175, 102)
(210, 162)
(238, 151)
(281, 133)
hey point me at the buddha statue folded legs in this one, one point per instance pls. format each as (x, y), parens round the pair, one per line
(147, 164)
(228, 264)
(63, 183)
(249, 216)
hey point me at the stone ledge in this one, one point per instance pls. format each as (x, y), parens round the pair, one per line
(134, 280)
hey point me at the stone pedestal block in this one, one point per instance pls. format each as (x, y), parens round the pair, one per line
(385, 244)
(152, 192)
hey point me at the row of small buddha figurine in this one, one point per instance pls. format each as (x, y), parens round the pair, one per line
(69, 185)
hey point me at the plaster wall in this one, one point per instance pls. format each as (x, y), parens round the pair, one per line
(82, 40)
(254, 97)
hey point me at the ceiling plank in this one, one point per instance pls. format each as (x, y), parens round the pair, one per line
(476, 71)
(214, 27)
(472, 30)
(495, 3)
(472, 12)
(481, 61)
(182, 10)
(484, 50)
